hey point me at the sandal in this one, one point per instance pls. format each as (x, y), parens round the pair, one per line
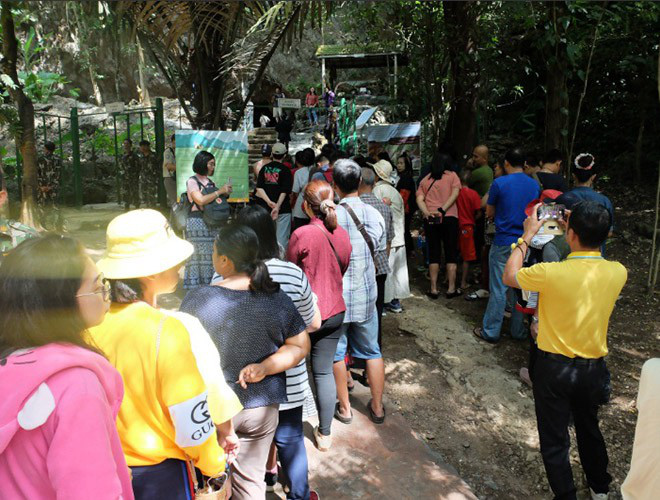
(479, 294)
(341, 418)
(373, 417)
(433, 295)
(453, 294)
(479, 333)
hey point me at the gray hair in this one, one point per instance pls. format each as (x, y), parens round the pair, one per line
(346, 175)
(368, 176)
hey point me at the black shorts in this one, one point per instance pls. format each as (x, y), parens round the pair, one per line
(439, 236)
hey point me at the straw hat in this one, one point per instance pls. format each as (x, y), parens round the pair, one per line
(383, 169)
(141, 243)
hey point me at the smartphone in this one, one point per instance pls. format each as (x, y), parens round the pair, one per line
(552, 211)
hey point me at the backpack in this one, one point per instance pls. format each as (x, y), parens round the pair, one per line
(215, 214)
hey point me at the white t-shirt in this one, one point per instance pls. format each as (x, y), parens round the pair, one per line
(299, 182)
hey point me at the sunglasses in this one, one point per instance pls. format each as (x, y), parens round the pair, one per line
(105, 289)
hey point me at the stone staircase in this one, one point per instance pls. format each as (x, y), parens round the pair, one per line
(256, 139)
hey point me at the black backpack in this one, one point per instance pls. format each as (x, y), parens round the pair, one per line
(215, 214)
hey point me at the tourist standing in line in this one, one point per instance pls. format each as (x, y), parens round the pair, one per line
(312, 102)
(322, 249)
(283, 127)
(381, 261)
(289, 441)
(201, 192)
(507, 199)
(570, 377)
(129, 170)
(550, 174)
(164, 420)
(436, 198)
(266, 157)
(169, 171)
(397, 286)
(584, 177)
(248, 316)
(469, 211)
(60, 396)
(305, 163)
(407, 189)
(366, 229)
(150, 173)
(480, 179)
(274, 186)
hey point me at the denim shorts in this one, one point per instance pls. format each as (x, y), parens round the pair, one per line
(363, 338)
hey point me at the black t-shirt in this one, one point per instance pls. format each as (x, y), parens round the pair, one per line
(552, 181)
(275, 179)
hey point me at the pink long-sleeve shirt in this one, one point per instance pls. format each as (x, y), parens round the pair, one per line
(58, 438)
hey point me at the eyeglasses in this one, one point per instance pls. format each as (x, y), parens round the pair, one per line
(105, 289)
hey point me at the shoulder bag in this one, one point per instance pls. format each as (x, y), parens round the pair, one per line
(362, 229)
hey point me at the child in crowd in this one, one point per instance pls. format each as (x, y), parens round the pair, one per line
(469, 210)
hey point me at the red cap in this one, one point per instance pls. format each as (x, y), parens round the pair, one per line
(547, 196)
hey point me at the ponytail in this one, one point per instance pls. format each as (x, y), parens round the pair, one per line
(329, 214)
(260, 280)
(319, 198)
(240, 244)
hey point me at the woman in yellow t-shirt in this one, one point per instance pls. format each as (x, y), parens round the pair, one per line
(166, 418)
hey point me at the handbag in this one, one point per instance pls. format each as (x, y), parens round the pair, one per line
(215, 488)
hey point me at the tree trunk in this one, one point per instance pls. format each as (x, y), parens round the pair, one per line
(637, 172)
(461, 24)
(556, 100)
(26, 140)
(144, 91)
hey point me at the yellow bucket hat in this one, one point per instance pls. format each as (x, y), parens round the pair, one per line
(141, 243)
(383, 169)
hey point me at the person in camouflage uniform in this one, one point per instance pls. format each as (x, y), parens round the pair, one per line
(11, 232)
(150, 173)
(49, 170)
(129, 169)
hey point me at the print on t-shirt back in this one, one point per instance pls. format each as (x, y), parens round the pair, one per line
(271, 175)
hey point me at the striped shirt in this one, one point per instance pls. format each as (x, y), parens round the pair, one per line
(359, 282)
(293, 282)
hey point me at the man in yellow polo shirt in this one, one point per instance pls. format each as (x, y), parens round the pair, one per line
(576, 299)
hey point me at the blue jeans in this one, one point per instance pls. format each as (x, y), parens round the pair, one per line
(363, 338)
(290, 442)
(492, 323)
(311, 113)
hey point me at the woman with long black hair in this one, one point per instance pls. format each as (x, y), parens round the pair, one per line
(436, 198)
(407, 189)
(261, 335)
(60, 396)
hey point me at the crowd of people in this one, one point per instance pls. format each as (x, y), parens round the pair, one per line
(109, 393)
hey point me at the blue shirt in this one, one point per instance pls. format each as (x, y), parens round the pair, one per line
(510, 195)
(581, 193)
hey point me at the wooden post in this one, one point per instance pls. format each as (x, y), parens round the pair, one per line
(323, 75)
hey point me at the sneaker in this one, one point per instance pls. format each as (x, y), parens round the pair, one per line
(597, 496)
(323, 443)
(271, 481)
(394, 306)
(313, 495)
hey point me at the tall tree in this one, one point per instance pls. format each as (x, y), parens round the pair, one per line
(25, 139)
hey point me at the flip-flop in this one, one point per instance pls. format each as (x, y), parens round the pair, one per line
(455, 293)
(433, 295)
(342, 419)
(373, 417)
(479, 333)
